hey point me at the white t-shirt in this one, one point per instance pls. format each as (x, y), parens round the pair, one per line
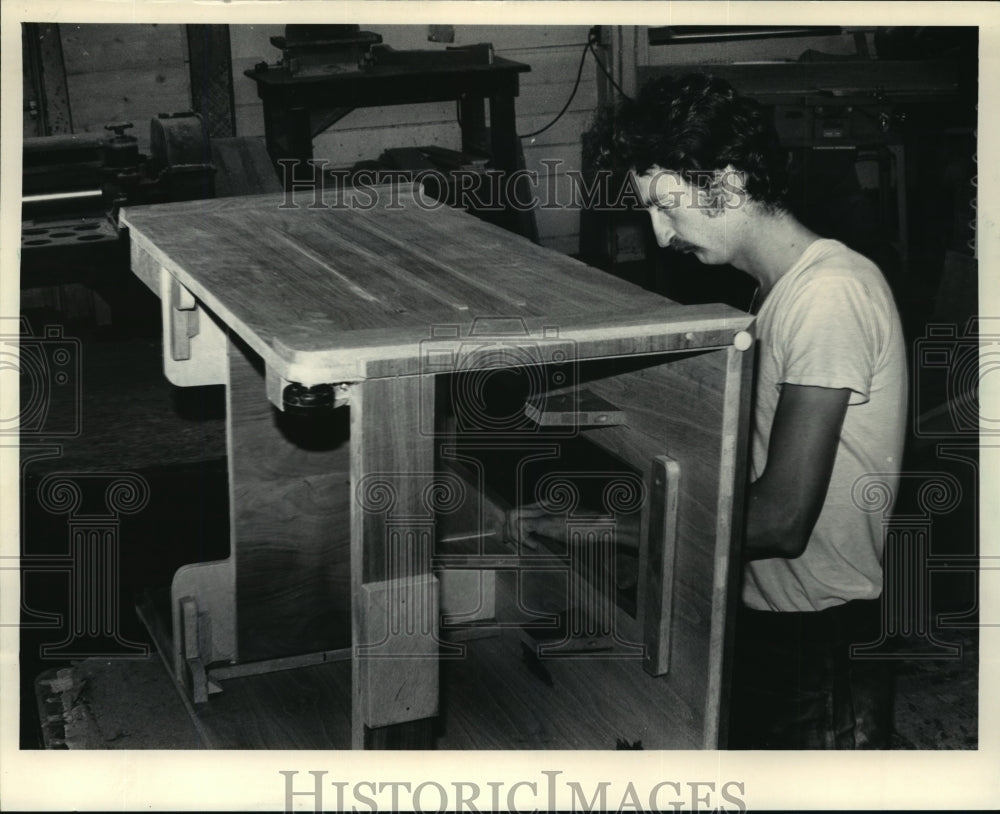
(830, 321)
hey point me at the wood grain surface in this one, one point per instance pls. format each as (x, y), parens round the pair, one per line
(391, 532)
(390, 297)
(327, 292)
(290, 520)
(690, 407)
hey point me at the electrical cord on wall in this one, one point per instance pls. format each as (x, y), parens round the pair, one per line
(588, 47)
(597, 59)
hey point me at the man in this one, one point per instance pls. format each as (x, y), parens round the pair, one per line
(830, 398)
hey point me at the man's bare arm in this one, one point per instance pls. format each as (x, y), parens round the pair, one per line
(785, 502)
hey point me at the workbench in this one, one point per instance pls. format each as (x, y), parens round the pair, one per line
(398, 379)
(298, 108)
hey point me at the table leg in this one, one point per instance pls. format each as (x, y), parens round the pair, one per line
(395, 596)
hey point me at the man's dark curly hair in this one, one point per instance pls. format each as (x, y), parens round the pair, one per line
(691, 125)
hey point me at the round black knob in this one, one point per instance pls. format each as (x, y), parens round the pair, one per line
(301, 400)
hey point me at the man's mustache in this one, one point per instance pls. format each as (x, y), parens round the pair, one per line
(682, 245)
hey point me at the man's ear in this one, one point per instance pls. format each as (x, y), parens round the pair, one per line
(732, 187)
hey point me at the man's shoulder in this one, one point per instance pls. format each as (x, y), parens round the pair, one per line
(828, 258)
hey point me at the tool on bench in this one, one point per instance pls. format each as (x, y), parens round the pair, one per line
(74, 185)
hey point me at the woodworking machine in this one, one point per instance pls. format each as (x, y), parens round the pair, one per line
(74, 185)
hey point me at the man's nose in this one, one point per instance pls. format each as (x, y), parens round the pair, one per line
(662, 229)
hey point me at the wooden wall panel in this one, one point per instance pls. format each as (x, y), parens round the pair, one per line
(94, 47)
(125, 73)
(127, 96)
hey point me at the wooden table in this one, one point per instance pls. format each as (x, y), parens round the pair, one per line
(376, 531)
(298, 108)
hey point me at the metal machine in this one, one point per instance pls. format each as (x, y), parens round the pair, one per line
(74, 185)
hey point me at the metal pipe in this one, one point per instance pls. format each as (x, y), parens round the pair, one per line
(59, 197)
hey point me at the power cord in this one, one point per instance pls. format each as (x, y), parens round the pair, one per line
(576, 87)
(597, 59)
(588, 47)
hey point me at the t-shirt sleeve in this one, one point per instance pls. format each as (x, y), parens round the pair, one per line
(830, 336)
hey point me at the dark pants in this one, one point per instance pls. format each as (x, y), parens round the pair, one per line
(795, 685)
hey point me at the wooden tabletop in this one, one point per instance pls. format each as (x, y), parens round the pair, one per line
(358, 288)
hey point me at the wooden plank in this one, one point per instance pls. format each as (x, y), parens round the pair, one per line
(212, 586)
(194, 342)
(445, 267)
(254, 41)
(243, 167)
(567, 157)
(657, 562)
(277, 278)
(467, 596)
(249, 120)
(507, 37)
(685, 408)
(289, 503)
(392, 527)
(193, 657)
(565, 131)
(91, 48)
(398, 653)
(733, 466)
(244, 88)
(515, 264)
(183, 322)
(549, 98)
(254, 668)
(128, 96)
(579, 408)
(292, 709)
(362, 354)
(491, 699)
(559, 63)
(498, 697)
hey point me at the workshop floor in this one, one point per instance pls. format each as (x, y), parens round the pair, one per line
(134, 421)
